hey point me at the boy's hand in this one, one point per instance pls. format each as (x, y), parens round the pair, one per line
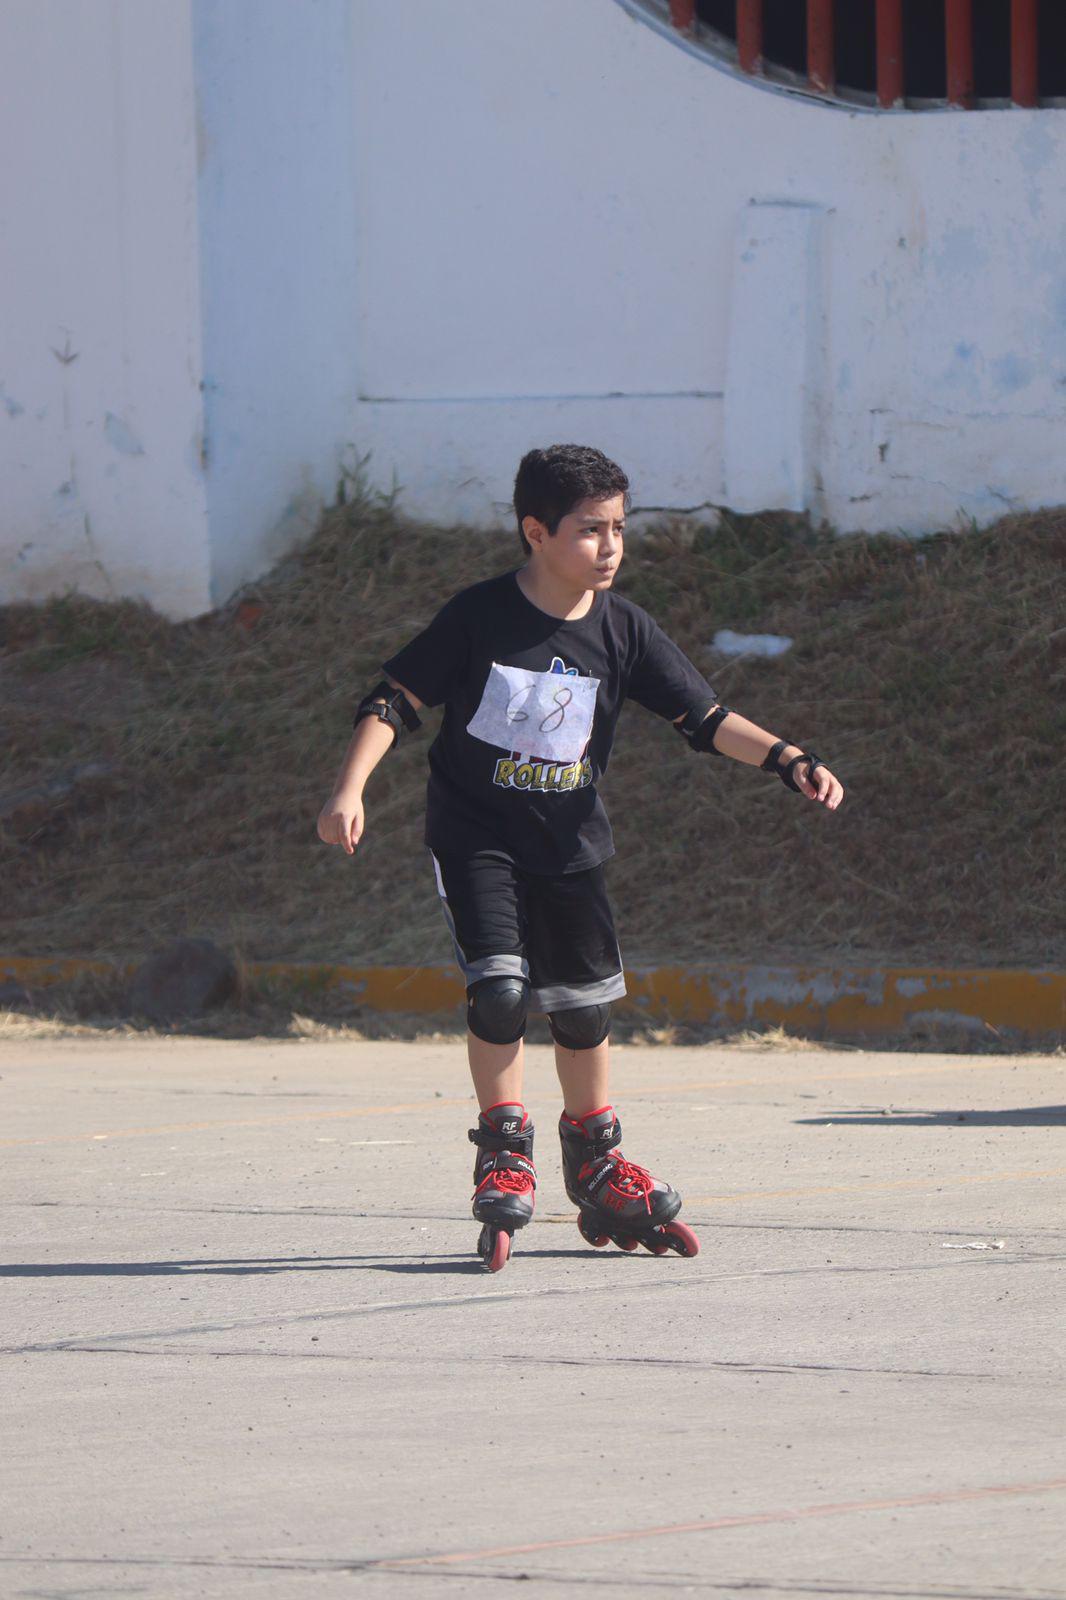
(826, 789)
(342, 822)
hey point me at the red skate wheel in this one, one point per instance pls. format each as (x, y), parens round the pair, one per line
(656, 1246)
(496, 1252)
(625, 1244)
(596, 1240)
(682, 1239)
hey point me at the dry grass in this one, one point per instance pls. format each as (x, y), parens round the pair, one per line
(928, 672)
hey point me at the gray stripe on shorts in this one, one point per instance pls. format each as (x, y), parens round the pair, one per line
(568, 996)
(507, 966)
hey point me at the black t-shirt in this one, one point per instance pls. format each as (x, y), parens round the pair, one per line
(497, 661)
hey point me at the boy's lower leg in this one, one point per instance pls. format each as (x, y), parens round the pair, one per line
(497, 1071)
(584, 1077)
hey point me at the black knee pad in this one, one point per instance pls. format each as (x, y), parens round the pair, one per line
(496, 1008)
(582, 1028)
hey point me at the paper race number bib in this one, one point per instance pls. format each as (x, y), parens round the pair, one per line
(547, 715)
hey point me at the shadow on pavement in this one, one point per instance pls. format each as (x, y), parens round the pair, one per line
(1015, 1117)
(239, 1267)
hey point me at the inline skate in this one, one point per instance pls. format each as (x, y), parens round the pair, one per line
(617, 1200)
(504, 1178)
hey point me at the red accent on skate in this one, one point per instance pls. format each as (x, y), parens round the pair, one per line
(601, 1111)
(579, 1122)
(507, 1181)
(690, 1245)
(515, 1104)
(628, 1181)
(501, 1250)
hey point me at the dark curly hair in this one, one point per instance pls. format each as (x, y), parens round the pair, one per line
(552, 482)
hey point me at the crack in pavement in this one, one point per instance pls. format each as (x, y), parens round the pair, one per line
(634, 1579)
(348, 1214)
(615, 1286)
(670, 1363)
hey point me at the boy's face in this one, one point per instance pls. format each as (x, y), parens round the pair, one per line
(585, 550)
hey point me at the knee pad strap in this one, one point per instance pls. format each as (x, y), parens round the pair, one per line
(582, 1028)
(496, 1008)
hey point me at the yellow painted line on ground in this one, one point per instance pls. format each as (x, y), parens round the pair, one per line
(956, 1180)
(827, 999)
(464, 1100)
(799, 1078)
(751, 1519)
(239, 1122)
(58, 969)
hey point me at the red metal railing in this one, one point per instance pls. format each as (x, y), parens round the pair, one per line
(958, 30)
(683, 15)
(821, 51)
(1024, 34)
(889, 45)
(749, 35)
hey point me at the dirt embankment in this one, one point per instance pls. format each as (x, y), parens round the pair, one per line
(174, 772)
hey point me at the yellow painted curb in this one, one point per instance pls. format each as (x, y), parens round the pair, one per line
(824, 1000)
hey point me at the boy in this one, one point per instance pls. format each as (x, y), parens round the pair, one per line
(532, 668)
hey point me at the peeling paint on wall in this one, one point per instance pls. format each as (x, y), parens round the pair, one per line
(909, 987)
(122, 436)
(822, 1001)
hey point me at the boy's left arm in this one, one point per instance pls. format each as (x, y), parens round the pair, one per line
(733, 735)
(663, 678)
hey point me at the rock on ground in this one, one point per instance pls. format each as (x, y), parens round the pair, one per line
(185, 979)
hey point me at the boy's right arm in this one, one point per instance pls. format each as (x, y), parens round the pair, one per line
(343, 818)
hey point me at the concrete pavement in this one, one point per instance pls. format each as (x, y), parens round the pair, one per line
(248, 1349)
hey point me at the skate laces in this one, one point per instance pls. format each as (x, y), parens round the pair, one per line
(508, 1180)
(627, 1179)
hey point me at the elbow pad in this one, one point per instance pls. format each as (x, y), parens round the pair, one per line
(699, 728)
(396, 710)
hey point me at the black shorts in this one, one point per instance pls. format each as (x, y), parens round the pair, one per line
(557, 932)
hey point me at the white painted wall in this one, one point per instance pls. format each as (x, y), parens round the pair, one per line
(277, 270)
(100, 336)
(179, 255)
(572, 226)
(239, 235)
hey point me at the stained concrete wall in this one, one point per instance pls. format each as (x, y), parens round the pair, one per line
(278, 270)
(572, 225)
(100, 346)
(242, 235)
(179, 255)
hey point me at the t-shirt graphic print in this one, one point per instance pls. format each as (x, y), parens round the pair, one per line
(550, 720)
(530, 706)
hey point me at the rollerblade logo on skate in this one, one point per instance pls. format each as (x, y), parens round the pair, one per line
(597, 1179)
(555, 718)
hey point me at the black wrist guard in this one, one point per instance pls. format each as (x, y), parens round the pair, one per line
(786, 769)
(699, 728)
(389, 705)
